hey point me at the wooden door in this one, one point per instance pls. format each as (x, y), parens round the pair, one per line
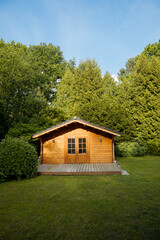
(77, 149)
(82, 150)
(71, 150)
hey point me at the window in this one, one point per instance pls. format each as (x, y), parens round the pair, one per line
(82, 145)
(71, 145)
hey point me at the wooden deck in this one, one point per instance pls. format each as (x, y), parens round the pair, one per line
(79, 169)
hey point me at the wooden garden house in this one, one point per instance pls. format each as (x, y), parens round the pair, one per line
(77, 141)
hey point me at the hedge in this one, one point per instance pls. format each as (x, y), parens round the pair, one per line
(18, 159)
(127, 149)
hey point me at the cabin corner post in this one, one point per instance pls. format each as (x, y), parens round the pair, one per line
(113, 150)
(41, 154)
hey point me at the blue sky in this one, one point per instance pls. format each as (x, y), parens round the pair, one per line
(110, 31)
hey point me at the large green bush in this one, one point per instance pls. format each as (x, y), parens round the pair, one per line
(127, 149)
(18, 159)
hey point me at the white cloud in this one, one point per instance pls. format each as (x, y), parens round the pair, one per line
(115, 77)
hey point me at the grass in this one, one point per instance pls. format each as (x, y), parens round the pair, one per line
(85, 207)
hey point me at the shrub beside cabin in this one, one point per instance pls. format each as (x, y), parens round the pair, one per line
(77, 141)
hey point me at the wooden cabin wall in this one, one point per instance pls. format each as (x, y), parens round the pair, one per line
(53, 152)
(98, 152)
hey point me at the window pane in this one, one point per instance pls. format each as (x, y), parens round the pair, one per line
(82, 145)
(73, 151)
(71, 145)
(80, 150)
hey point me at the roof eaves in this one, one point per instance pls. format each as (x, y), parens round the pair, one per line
(38, 134)
(98, 126)
(76, 119)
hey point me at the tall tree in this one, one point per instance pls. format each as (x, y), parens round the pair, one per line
(109, 85)
(80, 93)
(152, 50)
(106, 107)
(28, 80)
(146, 101)
(15, 77)
(65, 98)
(129, 67)
(89, 90)
(48, 65)
(115, 109)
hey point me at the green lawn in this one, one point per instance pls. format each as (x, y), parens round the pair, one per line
(85, 207)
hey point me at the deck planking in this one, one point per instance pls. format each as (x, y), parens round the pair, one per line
(79, 169)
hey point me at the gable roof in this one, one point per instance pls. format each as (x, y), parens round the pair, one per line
(75, 120)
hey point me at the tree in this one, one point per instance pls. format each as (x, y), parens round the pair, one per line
(139, 87)
(28, 81)
(65, 98)
(123, 109)
(36, 115)
(106, 113)
(109, 85)
(15, 77)
(152, 50)
(80, 93)
(115, 110)
(146, 101)
(3, 121)
(89, 90)
(48, 66)
(129, 67)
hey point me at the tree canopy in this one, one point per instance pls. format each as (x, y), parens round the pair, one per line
(39, 88)
(28, 81)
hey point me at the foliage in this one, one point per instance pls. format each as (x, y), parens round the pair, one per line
(146, 99)
(23, 130)
(89, 89)
(129, 67)
(18, 159)
(48, 65)
(28, 80)
(128, 149)
(139, 94)
(116, 108)
(65, 98)
(16, 80)
(39, 88)
(152, 50)
(153, 146)
(80, 93)
(3, 121)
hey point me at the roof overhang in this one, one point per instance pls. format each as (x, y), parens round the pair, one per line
(75, 120)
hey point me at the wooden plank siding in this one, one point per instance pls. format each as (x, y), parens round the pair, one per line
(100, 152)
(57, 152)
(53, 152)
